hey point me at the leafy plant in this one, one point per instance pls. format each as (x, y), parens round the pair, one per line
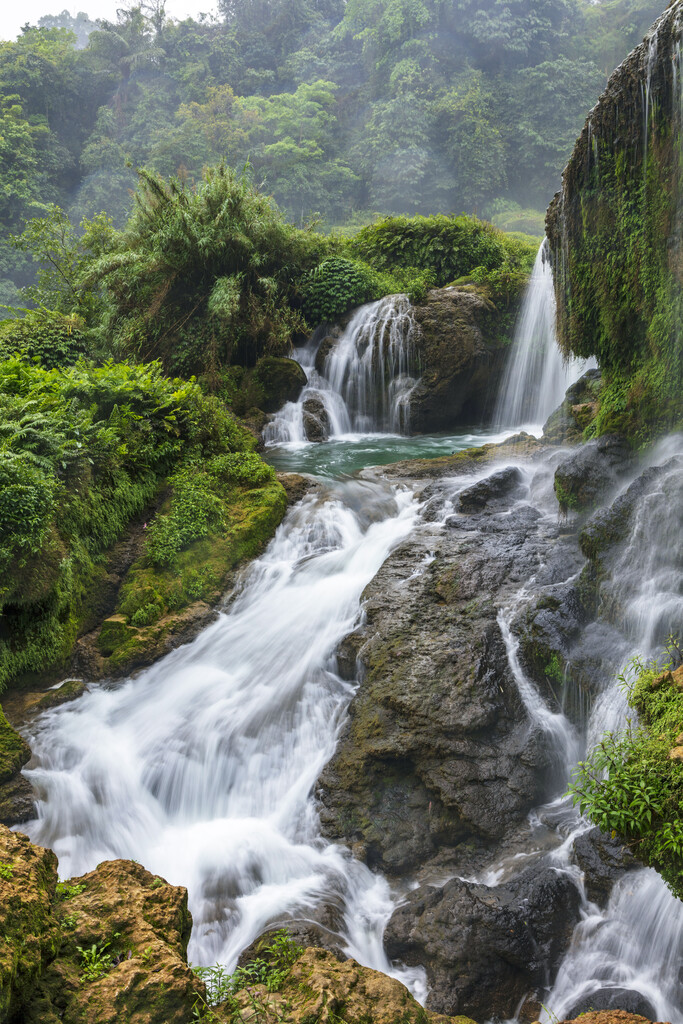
(6, 872)
(630, 785)
(97, 960)
(66, 891)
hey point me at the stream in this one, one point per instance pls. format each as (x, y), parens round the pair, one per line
(203, 766)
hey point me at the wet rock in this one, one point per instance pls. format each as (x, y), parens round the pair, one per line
(547, 630)
(609, 526)
(461, 357)
(320, 988)
(498, 485)
(296, 486)
(603, 861)
(579, 407)
(437, 753)
(316, 420)
(586, 476)
(487, 949)
(611, 999)
(277, 380)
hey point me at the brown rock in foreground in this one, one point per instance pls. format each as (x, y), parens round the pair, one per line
(108, 947)
(319, 988)
(610, 1017)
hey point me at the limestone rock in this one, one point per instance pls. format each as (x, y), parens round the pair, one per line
(461, 356)
(437, 754)
(319, 988)
(609, 1017)
(590, 472)
(29, 934)
(316, 420)
(143, 925)
(603, 860)
(614, 1006)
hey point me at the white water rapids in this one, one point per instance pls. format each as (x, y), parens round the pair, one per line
(203, 766)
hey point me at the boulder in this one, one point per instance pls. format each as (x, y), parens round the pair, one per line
(587, 476)
(628, 1001)
(319, 988)
(603, 861)
(498, 485)
(276, 380)
(462, 357)
(316, 420)
(29, 933)
(579, 408)
(109, 946)
(488, 951)
(437, 754)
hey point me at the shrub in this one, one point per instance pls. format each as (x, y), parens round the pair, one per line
(50, 337)
(630, 785)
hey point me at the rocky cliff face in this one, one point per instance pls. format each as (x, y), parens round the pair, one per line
(615, 230)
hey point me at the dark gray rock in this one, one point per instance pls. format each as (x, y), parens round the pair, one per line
(579, 406)
(498, 485)
(586, 476)
(437, 753)
(486, 949)
(603, 861)
(316, 420)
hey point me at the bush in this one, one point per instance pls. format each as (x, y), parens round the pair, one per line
(448, 247)
(50, 337)
(83, 450)
(630, 785)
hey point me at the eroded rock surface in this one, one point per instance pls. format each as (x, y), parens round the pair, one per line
(462, 356)
(133, 924)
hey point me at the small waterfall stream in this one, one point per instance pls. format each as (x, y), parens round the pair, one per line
(536, 376)
(365, 383)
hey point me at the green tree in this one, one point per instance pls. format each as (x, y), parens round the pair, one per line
(203, 274)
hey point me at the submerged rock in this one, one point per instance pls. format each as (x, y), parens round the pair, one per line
(487, 950)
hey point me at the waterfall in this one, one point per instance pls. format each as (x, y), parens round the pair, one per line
(202, 767)
(366, 379)
(536, 377)
(635, 944)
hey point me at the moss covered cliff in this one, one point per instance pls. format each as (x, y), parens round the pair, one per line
(615, 232)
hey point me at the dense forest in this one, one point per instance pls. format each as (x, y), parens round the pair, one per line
(339, 110)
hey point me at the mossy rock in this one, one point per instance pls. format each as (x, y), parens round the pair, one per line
(14, 750)
(115, 631)
(278, 380)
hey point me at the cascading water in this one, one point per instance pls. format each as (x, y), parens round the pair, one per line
(536, 377)
(366, 379)
(202, 767)
(636, 943)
